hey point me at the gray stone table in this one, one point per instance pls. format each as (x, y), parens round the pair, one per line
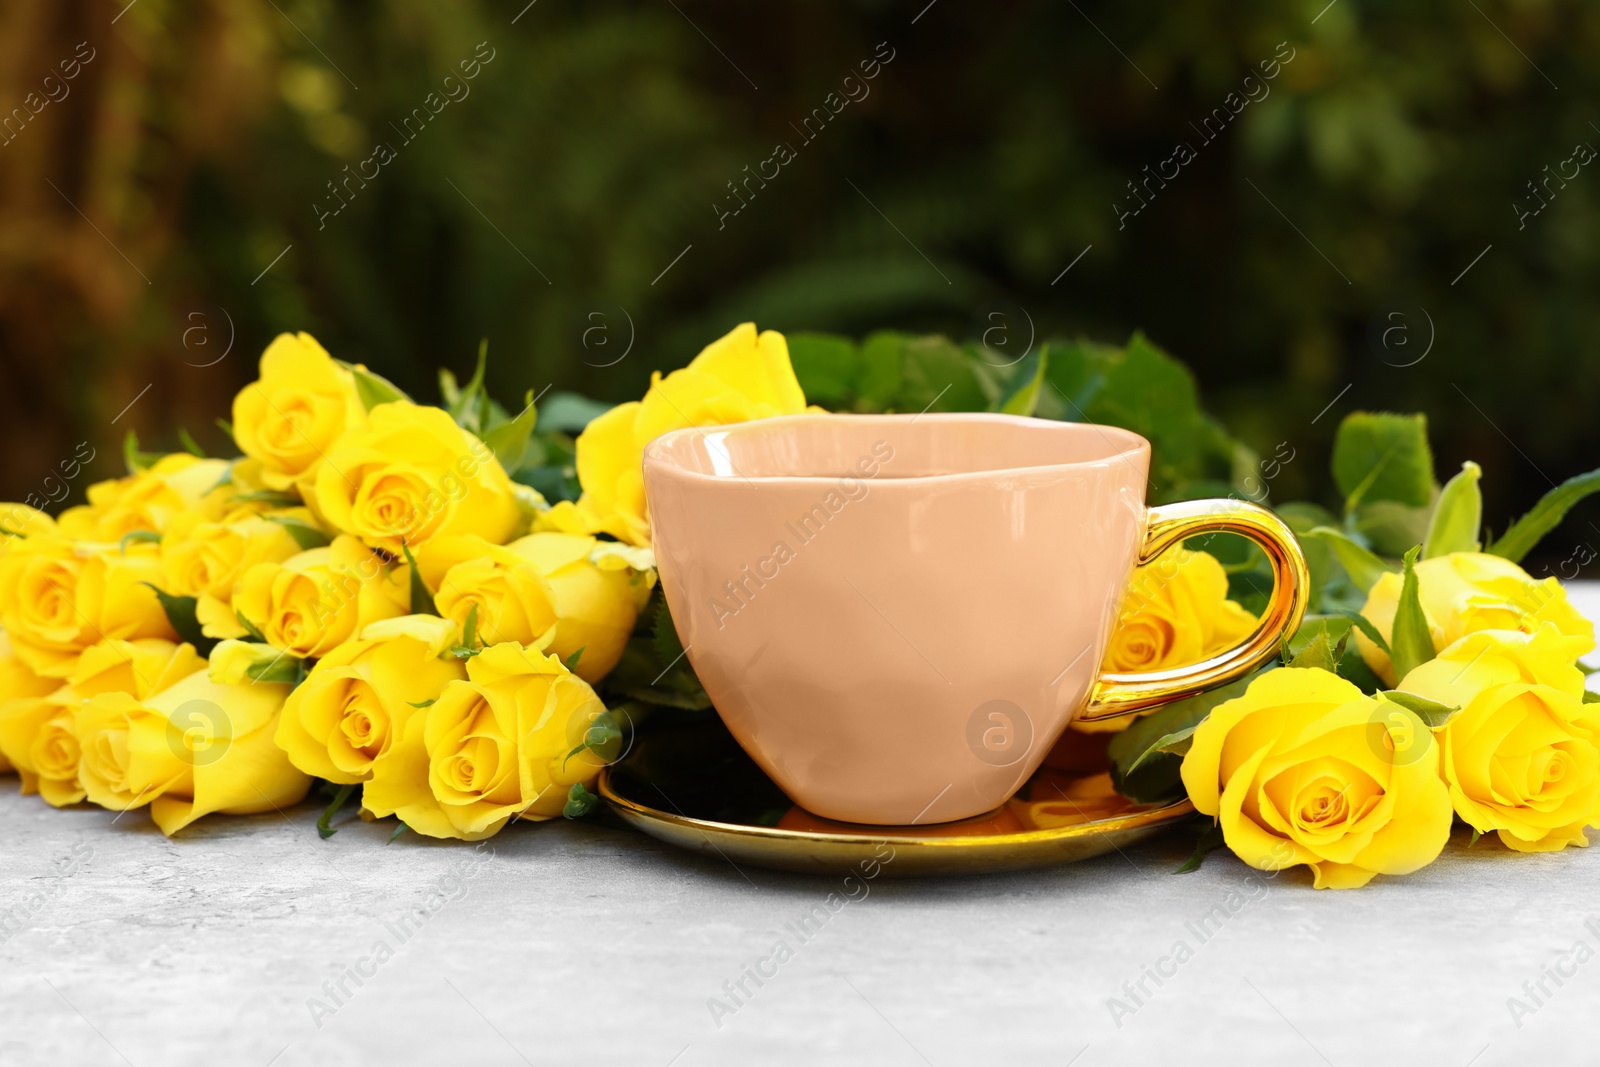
(588, 943)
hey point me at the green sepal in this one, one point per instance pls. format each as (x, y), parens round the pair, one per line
(181, 616)
(1431, 712)
(137, 537)
(421, 599)
(1458, 516)
(580, 802)
(324, 829)
(250, 628)
(373, 389)
(1209, 841)
(305, 535)
(509, 439)
(1410, 640)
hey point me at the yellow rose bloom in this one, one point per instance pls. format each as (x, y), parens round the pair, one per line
(313, 601)
(1176, 613)
(27, 744)
(292, 415)
(149, 501)
(19, 522)
(550, 591)
(57, 598)
(741, 376)
(1304, 768)
(139, 668)
(489, 748)
(355, 704)
(1523, 755)
(200, 558)
(192, 749)
(412, 475)
(1464, 592)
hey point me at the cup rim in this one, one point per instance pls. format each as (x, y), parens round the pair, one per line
(655, 460)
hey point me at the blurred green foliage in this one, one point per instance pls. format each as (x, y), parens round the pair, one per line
(574, 206)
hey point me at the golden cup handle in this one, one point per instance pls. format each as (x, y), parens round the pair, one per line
(1170, 524)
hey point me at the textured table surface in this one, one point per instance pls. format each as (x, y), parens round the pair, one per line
(566, 942)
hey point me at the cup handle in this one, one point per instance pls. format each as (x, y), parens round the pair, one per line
(1119, 694)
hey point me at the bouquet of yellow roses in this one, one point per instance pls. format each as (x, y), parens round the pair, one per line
(419, 602)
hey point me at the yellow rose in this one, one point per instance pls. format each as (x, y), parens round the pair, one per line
(206, 559)
(192, 749)
(313, 601)
(412, 475)
(139, 668)
(148, 501)
(495, 746)
(31, 739)
(287, 421)
(19, 522)
(1464, 592)
(554, 592)
(1304, 768)
(354, 705)
(1176, 613)
(1522, 757)
(739, 377)
(57, 598)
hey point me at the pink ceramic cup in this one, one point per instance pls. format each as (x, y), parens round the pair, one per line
(898, 615)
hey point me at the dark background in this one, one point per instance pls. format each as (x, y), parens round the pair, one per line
(138, 214)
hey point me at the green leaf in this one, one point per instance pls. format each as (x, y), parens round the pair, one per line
(569, 412)
(1372, 633)
(669, 648)
(1410, 641)
(181, 615)
(571, 662)
(226, 427)
(1363, 567)
(1157, 772)
(290, 670)
(402, 828)
(324, 830)
(137, 537)
(1378, 456)
(881, 375)
(1458, 515)
(826, 366)
(421, 599)
(1546, 515)
(1389, 528)
(509, 439)
(1431, 712)
(936, 375)
(189, 444)
(305, 535)
(373, 389)
(1021, 394)
(1209, 841)
(580, 802)
(1591, 697)
(1177, 743)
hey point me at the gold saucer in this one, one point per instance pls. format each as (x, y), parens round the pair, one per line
(687, 783)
